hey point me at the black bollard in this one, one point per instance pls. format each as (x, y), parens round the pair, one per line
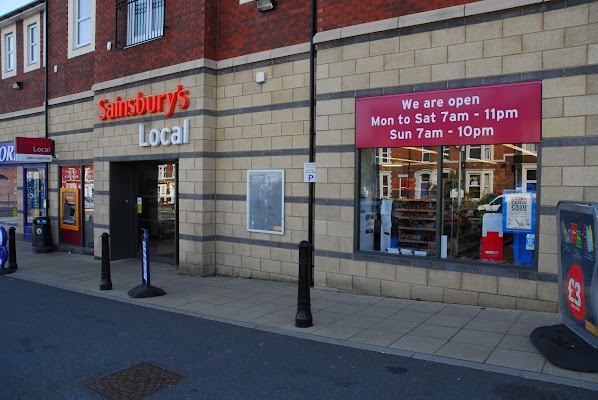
(106, 282)
(303, 318)
(12, 250)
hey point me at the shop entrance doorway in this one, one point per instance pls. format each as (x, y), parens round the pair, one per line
(143, 195)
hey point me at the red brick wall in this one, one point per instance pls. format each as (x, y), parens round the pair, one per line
(183, 40)
(74, 75)
(242, 29)
(32, 94)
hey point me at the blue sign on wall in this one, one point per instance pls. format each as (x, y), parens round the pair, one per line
(7, 153)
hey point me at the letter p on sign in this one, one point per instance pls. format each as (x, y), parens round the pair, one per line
(309, 172)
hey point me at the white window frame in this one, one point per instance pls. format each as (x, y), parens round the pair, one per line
(525, 168)
(383, 156)
(77, 49)
(80, 21)
(9, 53)
(530, 149)
(385, 190)
(402, 188)
(148, 33)
(31, 43)
(446, 153)
(427, 154)
(162, 171)
(485, 183)
(486, 152)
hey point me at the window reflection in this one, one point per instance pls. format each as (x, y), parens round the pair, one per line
(405, 208)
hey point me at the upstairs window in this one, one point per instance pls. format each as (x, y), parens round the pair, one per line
(82, 20)
(9, 52)
(9, 42)
(83, 23)
(139, 21)
(31, 43)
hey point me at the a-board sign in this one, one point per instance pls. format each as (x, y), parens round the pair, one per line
(578, 268)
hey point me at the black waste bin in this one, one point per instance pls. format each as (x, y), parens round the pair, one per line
(41, 235)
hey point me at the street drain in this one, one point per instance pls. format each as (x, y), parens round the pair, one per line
(135, 382)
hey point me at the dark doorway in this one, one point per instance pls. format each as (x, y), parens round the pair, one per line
(143, 195)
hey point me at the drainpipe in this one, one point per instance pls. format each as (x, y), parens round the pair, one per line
(312, 132)
(46, 97)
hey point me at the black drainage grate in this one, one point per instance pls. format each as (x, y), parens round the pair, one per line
(135, 382)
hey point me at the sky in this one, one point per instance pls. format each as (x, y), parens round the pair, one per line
(7, 6)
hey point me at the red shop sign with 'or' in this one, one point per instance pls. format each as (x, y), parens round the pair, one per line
(478, 115)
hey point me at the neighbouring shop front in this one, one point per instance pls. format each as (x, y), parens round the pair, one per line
(451, 174)
(33, 181)
(76, 205)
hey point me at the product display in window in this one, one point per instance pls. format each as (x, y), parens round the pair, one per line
(480, 209)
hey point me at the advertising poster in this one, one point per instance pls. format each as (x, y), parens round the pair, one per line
(518, 212)
(265, 201)
(578, 286)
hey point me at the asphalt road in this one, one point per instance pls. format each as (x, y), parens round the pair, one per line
(55, 343)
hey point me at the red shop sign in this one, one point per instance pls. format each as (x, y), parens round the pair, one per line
(478, 115)
(33, 149)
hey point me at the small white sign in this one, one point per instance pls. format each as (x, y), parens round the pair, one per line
(309, 172)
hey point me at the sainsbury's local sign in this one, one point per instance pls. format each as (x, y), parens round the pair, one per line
(165, 103)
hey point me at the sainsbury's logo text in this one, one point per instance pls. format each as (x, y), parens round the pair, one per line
(140, 105)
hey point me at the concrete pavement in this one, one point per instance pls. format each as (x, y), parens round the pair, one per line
(478, 337)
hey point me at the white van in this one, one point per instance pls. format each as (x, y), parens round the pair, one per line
(494, 206)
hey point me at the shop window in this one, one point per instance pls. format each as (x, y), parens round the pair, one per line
(398, 209)
(88, 206)
(8, 196)
(139, 21)
(466, 215)
(35, 192)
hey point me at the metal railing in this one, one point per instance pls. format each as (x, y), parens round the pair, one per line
(138, 21)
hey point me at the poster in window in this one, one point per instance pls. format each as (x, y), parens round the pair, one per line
(265, 201)
(519, 213)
